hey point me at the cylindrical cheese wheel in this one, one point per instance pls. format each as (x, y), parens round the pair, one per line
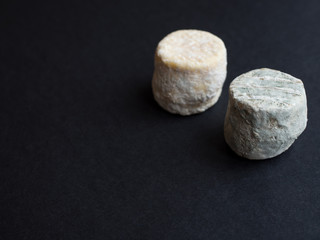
(267, 111)
(190, 69)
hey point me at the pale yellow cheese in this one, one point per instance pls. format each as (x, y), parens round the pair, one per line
(190, 69)
(191, 49)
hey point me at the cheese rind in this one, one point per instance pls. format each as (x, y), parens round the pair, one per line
(190, 69)
(267, 111)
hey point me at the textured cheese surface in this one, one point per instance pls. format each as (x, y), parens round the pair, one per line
(267, 111)
(190, 49)
(266, 88)
(190, 69)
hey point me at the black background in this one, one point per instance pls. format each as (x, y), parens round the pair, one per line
(86, 153)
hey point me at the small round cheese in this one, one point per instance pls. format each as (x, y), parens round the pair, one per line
(190, 69)
(267, 111)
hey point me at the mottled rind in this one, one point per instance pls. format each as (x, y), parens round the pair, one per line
(190, 69)
(267, 111)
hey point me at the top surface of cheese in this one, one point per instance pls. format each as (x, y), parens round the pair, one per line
(191, 49)
(266, 88)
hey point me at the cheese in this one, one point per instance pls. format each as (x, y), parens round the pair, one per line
(267, 111)
(190, 69)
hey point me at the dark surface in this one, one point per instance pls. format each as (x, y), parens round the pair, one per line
(86, 153)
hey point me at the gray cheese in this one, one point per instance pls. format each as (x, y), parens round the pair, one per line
(267, 111)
